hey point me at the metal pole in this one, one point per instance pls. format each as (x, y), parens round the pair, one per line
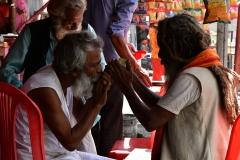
(237, 49)
(12, 15)
(222, 42)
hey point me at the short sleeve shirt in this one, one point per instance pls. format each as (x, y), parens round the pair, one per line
(185, 90)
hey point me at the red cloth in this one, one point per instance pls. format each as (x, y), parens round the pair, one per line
(156, 151)
(158, 69)
(206, 58)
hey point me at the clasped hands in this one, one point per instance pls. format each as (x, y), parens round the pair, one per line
(123, 76)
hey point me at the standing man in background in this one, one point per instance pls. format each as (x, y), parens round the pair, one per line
(111, 20)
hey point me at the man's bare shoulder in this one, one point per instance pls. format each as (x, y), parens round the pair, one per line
(45, 97)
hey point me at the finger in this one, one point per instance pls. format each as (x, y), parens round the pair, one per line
(96, 86)
(107, 83)
(149, 82)
(115, 66)
(109, 67)
(114, 63)
(106, 76)
(128, 65)
(102, 86)
(107, 86)
(145, 82)
(144, 78)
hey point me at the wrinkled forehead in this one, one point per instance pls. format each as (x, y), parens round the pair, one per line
(93, 56)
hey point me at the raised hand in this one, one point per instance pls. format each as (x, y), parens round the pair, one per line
(122, 76)
(101, 88)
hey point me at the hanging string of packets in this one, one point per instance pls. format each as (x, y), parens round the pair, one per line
(206, 11)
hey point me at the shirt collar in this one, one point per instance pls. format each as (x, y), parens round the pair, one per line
(51, 35)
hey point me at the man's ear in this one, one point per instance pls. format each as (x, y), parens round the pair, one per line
(75, 72)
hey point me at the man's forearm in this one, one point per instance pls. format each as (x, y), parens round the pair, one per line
(148, 97)
(123, 51)
(85, 121)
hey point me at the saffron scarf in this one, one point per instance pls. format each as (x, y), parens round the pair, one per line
(205, 59)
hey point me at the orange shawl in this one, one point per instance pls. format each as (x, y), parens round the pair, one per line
(206, 58)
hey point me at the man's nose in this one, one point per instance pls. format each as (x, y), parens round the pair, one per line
(75, 26)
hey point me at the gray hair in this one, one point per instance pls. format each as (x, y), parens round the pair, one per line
(58, 8)
(70, 52)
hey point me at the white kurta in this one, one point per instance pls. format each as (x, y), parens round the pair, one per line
(46, 77)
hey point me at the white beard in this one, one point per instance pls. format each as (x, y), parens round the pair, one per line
(61, 32)
(83, 86)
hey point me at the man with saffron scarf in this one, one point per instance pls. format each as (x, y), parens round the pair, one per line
(200, 103)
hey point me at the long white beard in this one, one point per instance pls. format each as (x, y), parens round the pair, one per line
(83, 86)
(61, 32)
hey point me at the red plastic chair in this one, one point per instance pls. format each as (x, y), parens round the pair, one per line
(233, 152)
(10, 98)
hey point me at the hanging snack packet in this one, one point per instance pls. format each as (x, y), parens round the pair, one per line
(160, 14)
(151, 5)
(170, 6)
(135, 18)
(178, 6)
(188, 11)
(206, 27)
(197, 14)
(216, 11)
(142, 6)
(160, 5)
(142, 19)
(197, 4)
(152, 16)
(233, 3)
(203, 12)
(187, 4)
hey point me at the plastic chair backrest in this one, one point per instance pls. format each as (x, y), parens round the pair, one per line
(10, 98)
(233, 152)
